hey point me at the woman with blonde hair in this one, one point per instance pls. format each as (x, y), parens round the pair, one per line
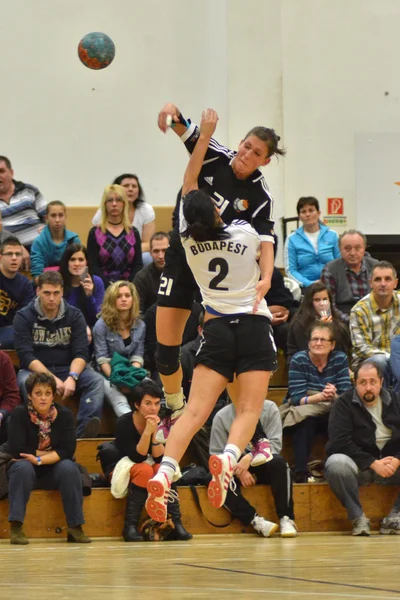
(114, 246)
(119, 329)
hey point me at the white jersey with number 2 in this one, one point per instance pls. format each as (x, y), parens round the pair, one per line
(226, 271)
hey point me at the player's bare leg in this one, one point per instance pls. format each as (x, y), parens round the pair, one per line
(170, 325)
(251, 387)
(207, 386)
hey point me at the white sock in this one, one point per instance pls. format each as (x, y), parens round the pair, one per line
(168, 466)
(233, 451)
(174, 401)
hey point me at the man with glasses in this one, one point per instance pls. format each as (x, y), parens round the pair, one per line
(16, 290)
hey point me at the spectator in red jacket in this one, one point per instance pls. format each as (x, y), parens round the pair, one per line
(9, 394)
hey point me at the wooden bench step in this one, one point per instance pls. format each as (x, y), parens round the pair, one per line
(316, 509)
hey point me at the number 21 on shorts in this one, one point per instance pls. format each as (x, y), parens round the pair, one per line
(165, 286)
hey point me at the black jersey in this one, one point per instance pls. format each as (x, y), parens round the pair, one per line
(248, 199)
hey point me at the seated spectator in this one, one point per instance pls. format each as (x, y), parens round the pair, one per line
(316, 306)
(275, 472)
(42, 441)
(114, 247)
(136, 438)
(119, 329)
(316, 378)
(16, 290)
(49, 246)
(140, 213)
(348, 277)
(81, 289)
(50, 337)
(190, 333)
(9, 394)
(309, 248)
(364, 446)
(4, 235)
(375, 319)
(147, 280)
(22, 207)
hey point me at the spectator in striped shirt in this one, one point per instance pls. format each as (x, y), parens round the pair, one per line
(375, 319)
(348, 277)
(22, 207)
(316, 376)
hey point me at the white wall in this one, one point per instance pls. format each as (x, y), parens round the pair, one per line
(315, 70)
(339, 58)
(69, 129)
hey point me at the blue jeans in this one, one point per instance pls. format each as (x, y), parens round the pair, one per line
(90, 387)
(23, 477)
(6, 338)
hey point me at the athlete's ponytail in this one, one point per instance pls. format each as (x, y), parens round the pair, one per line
(201, 217)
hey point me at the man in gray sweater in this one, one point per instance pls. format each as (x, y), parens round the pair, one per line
(275, 472)
(348, 277)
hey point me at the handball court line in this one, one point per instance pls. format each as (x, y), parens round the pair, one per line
(297, 579)
(45, 586)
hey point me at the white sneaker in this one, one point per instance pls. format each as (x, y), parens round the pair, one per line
(221, 469)
(261, 525)
(288, 528)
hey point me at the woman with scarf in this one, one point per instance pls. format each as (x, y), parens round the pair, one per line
(42, 441)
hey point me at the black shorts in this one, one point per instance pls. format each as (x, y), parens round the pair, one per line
(178, 287)
(237, 344)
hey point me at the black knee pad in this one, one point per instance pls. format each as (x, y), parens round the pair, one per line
(167, 359)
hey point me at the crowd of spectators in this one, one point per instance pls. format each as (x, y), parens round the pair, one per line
(75, 313)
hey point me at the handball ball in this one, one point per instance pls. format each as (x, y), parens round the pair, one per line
(96, 50)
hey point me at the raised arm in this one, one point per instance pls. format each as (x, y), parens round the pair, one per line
(169, 110)
(208, 125)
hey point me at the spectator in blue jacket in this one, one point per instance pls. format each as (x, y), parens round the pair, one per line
(50, 337)
(309, 248)
(50, 245)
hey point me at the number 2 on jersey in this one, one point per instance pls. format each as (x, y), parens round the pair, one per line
(219, 266)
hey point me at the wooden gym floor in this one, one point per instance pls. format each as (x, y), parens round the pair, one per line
(312, 566)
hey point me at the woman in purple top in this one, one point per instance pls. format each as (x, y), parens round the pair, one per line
(114, 247)
(81, 288)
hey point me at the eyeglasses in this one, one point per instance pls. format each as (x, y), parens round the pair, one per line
(319, 339)
(11, 254)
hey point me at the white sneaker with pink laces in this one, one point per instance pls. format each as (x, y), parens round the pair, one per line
(261, 452)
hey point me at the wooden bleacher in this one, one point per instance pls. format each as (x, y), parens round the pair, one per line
(316, 508)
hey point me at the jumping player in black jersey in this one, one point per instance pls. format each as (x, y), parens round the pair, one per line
(234, 339)
(239, 190)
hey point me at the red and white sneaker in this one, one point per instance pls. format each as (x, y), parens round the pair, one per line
(261, 452)
(159, 488)
(221, 469)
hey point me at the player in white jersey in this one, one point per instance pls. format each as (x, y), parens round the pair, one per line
(237, 186)
(226, 270)
(237, 334)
